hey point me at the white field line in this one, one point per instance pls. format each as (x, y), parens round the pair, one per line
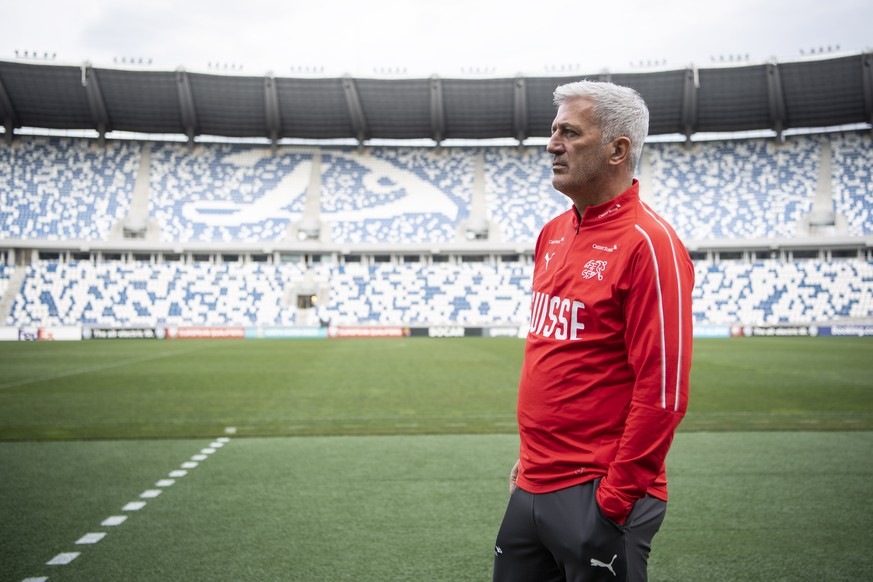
(116, 364)
(114, 521)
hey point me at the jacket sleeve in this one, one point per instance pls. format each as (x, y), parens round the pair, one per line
(658, 338)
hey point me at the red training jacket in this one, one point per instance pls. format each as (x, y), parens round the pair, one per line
(608, 355)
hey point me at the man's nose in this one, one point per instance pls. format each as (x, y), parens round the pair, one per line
(554, 146)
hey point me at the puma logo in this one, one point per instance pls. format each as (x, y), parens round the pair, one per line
(548, 258)
(599, 564)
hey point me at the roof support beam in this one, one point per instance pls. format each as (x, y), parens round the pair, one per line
(437, 112)
(776, 99)
(95, 100)
(7, 113)
(186, 105)
(356, 112)
(689, 102)
(273, 120)
(519, 118)
(867, 75)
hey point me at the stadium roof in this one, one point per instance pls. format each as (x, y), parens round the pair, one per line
(776, 96)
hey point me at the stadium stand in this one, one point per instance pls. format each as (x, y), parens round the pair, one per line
(442, 294)
(519, 192)
(735, 189)
(144, 295)
(226, 193)
(853, 180)
(408, 195)
(777, 292)
(116, 294)
(67, 189)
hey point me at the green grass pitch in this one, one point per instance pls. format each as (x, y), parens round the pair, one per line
(402, 471)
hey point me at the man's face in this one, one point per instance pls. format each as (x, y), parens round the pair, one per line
(579, 159)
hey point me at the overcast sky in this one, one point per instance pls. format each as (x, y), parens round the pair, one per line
(419, 38)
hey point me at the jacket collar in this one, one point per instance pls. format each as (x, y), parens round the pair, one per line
(611, 209)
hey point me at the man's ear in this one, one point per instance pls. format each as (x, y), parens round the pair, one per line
(621, 147)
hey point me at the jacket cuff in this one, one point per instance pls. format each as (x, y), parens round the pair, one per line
(612, 503)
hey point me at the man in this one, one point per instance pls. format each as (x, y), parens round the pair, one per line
(604, 382)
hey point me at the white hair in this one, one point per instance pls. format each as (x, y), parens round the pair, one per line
(619, 111)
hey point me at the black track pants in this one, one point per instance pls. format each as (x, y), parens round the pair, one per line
(563, 536)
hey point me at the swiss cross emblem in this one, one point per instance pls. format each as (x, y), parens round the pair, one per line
(594, 269)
